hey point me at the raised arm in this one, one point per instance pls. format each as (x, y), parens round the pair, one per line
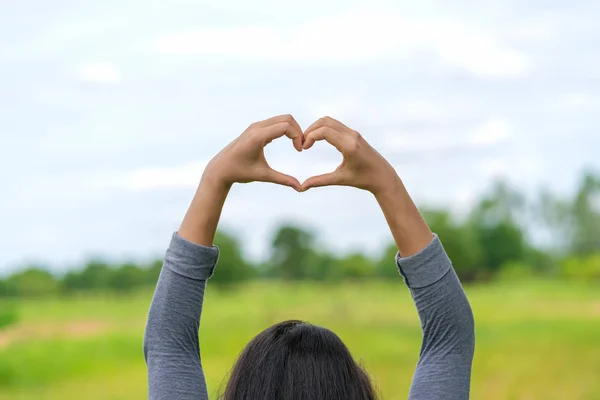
(444, 367)
(171, 346)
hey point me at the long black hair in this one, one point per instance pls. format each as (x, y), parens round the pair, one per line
(294, 360)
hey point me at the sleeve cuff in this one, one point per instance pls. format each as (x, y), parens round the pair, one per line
(190, 259)
(425, 267)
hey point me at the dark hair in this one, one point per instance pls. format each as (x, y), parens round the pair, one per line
(294, 360)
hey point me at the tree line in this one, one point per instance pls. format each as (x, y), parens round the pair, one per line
(494, 239)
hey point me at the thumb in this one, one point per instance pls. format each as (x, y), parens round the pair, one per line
(329, 179)
(280, 178)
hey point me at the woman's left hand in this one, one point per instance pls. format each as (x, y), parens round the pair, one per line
(243, 160)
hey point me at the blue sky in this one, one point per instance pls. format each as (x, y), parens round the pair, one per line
(111, 109)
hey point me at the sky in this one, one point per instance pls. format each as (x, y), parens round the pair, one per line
(110, 110)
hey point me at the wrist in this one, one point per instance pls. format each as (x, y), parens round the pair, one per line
(390, 187)
(411, 232)
(214, 181)
(200, 222)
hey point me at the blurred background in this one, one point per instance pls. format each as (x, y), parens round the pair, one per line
(110, 111)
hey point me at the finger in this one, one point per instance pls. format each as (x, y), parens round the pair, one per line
(326, 133)
(272, 132)
(275, 120)
(334, 122)
(329, 179)
(326, 121)
(272, 176)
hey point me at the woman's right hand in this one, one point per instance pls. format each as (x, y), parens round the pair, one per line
(362, 166)
(243, 160)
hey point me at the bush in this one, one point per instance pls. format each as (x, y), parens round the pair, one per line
(581, 268)
(7, 289)
(515, 271)
(8, 316)
(33, 282)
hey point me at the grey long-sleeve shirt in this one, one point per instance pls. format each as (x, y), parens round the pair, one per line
(172, 350)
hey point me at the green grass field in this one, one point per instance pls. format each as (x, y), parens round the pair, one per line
(536, 340)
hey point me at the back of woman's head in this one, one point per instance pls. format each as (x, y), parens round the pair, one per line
(294, 360)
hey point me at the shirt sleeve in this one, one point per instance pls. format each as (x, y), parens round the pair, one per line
(444, 367)
(171, 345)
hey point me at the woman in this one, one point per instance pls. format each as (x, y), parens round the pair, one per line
(293, 359)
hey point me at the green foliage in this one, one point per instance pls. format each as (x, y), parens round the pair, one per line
(293, 249)
(232, 267)
(585, 268)
(125, 278)
(8, 315)
(586, 216)
(295, 257)
(501, 244)
(322, 266)
(460, 242)
(493, 222)
(33, 282)
(95, 275)
(7, 289)
(542, 263)
(386, 267)
(573, 223)
(515, 271)
(357, 266)
(153, 272)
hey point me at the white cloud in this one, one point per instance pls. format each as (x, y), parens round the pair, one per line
(182, 176)
(477, 52)
(494, 130)
(493, 167)
(341, 106)
(577, 100)
(356, 37)
(418, 109)
(99, 71)
(418, 142)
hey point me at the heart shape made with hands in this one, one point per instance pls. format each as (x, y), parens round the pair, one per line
(302, 165)
(244, 160)
(328, 129)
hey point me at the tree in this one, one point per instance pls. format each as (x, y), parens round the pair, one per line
(502, 243)
(322, 266)
(585, 268)
(494, 225)
(554, 216)
(292, 252)
(232, 267)
(586, 216)
(460, 242)
(7, 289)
(95, 275)
(153, 271)
(573, 223)
(357, 266)
(8, 315)
(34, 281)
(126, 278)
(386, 266)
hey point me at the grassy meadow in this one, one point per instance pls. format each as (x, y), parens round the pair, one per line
(535, 340)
